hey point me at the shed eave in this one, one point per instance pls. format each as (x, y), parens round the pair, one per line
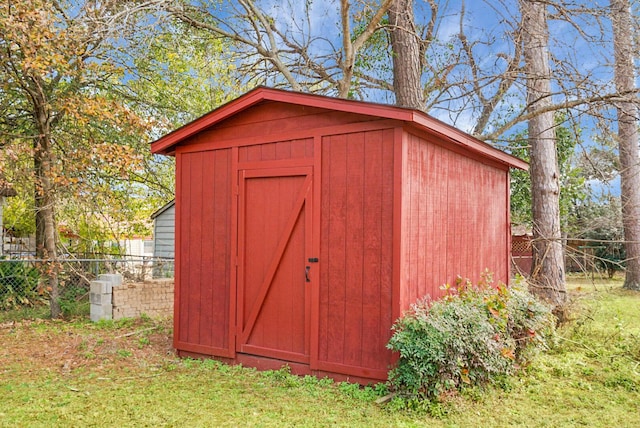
(166, 145)
(460, 138)
(163, 208)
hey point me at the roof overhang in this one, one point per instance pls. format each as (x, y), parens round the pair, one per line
(163, 208)
(166, 145)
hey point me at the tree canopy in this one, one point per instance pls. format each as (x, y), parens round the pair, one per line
(86, 85)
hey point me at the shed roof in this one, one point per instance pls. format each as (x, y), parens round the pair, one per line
(166, 145)
(163, 208)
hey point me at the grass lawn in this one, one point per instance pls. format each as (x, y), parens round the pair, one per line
(76, 373)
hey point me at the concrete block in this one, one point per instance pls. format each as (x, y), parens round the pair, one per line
(100, 312)
(114, 278)
(99, 299)
(101, 287)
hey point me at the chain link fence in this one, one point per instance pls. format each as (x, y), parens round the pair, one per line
(23, 281)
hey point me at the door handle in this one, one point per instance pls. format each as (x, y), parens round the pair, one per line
(306, 273)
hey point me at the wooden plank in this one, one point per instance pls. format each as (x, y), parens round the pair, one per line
(372, 345)
(354, 241)
(336, 240)
(463, 220)
(209, 140)
(220, 226)
(195, 247)
(293, 290)
(203, 350)
(388, 300)
(298, 148)
(283, 150)
(178, 314)
(268, 151)
(411, 193)
(274, 164)
(433, 230)
(207, 257)
(364, 372)
(453, 205)
(505, 226)
(252, 153)
(314, 301)
(276, 353)
(398, 161)
(234, 231)
(308, 147)
(323, 292)
(183, 215)
(444, 221)
(258, 121)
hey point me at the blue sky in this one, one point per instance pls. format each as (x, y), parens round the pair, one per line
(492, 23)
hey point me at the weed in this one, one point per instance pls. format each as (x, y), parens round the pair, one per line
(73, 308)
(25, 313)
(283, 377)
(211, 364)
(357, 392)
(124, 353)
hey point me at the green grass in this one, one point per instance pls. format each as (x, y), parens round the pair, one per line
(70, 309)
(27, 312)
(121, 376)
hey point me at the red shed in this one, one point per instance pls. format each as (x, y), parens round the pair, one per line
(305, 225)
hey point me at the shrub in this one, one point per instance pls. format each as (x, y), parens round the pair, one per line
(19, 286)
(475, 335)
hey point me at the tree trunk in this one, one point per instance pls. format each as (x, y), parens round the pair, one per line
(627, 138)
(547, 273)
(45, 214)
(405, 44)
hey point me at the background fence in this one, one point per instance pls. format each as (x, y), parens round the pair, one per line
(23, 281)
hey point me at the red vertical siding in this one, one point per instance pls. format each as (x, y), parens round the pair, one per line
(204, 243)
(355, 313)
(453, 219)
(293, 149)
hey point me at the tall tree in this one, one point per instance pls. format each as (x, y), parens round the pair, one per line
(627, 137)
(281, 52)
(574, 189)
(547, 272)
(53, 68)
(406, 52)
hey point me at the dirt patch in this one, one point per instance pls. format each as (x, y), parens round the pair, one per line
(63, 347)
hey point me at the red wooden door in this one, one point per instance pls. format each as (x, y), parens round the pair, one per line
(274, 245)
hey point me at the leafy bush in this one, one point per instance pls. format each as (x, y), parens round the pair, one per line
(475, 335)
(19, 286)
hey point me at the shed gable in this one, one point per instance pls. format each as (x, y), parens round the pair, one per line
(270, 121)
